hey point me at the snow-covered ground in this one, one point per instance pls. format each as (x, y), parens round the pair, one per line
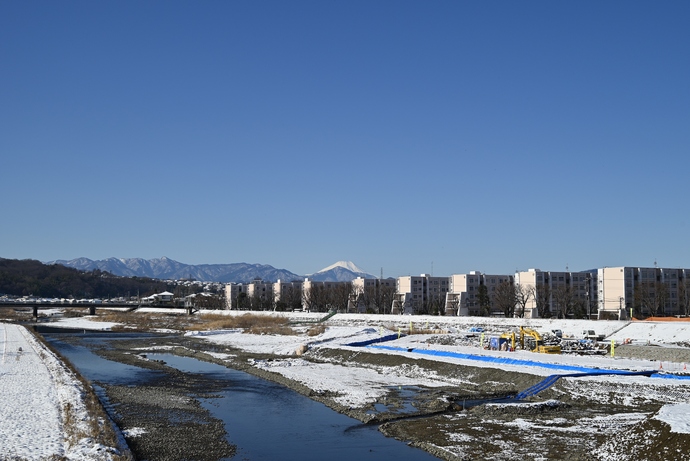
(37, 395)
(357, 386)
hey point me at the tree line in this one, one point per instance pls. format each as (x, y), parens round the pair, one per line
(318, 298)
(33, 278)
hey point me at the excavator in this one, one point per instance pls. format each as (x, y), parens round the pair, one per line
(535, 343)
(538, 342)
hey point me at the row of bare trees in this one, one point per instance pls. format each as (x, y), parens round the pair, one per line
(320, 298)
(376, 299)
(654, 298)
(512, 300)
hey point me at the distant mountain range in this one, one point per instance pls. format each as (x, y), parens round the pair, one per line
(166, 268)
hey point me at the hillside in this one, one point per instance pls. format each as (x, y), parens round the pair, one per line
(33, 278)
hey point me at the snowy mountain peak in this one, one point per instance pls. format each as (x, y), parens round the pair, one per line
(349, 265)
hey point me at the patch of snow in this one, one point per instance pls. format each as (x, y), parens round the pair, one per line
(82, 323)
(675, 416)
(134, 432)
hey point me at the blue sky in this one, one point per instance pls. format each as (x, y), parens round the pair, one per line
(405, 135)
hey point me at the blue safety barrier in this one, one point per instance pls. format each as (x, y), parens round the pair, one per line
(368, 342)
(583, 371)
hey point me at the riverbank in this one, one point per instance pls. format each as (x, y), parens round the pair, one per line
(46, 412)
(420, 397)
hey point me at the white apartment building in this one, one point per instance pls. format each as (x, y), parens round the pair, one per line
(322, 296)
(463, 296)
(288, 295)
(246, 295)
(630, 291)
(423, 292)
(561, 293)
(372, 295)
(232, 292)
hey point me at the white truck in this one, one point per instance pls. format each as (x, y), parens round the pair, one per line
(591, 334)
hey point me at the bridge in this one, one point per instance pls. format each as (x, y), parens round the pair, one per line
(35, 306)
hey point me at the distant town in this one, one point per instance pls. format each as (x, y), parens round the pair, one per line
(604, 293)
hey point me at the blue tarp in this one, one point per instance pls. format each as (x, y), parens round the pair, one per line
(521, 362)
(374, 341)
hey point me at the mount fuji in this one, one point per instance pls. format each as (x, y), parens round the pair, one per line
(342, 271)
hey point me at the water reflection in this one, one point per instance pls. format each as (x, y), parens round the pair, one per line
(97, 369)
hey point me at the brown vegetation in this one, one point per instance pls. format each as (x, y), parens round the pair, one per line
(11, 314)
(144, 321)
(250, 323)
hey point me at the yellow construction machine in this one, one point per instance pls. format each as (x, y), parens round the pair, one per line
(537, 343)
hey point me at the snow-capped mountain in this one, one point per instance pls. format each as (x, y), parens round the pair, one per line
(166, 268)
(169, 269)
(342, 271)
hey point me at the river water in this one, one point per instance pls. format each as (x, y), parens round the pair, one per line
(265, 420)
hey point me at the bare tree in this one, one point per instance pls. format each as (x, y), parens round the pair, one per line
(339, 296)
(504, 298)
(522, 296)
(684, 296)
(243, 302)
(383, 300)
(542, 296)
(367, 298)
(484, 300)
(580, 308)
(563, 299)
(291, 298)
(645, 302)
(661, 297)
(435, 303)
(315, 297)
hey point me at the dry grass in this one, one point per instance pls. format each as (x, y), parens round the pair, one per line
(250, 323)
(147, 321)
(11, 314)
(144, 321)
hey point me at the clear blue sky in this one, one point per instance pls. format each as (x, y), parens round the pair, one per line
(403, 135)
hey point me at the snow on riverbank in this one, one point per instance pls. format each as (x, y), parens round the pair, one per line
(358, 385)
(37, 395)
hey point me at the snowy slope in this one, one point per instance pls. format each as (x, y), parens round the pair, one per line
(342, 271)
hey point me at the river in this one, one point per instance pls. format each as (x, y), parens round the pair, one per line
(262, 419)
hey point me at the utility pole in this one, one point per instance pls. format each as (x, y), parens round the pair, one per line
(589, 306)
